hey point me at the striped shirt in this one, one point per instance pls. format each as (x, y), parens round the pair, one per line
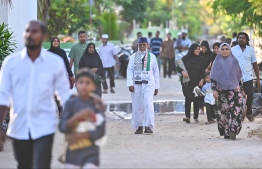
(155, 45)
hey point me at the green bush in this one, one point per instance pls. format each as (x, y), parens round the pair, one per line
(7, 44)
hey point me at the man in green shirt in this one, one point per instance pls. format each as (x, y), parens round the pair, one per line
(77, 50)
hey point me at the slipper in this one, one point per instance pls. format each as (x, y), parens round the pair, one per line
(196, 120)
(209, 122)
(105, 92)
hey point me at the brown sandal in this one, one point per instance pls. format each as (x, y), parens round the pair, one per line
(209, 122)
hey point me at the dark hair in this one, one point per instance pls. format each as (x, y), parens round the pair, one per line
(43, 26)
(207, 74)
(234, 34)
(246, 35)
(228, 40)
(169, 34)
(216, 44)
(174, 39)
(81, 32)
(84, 72)
(139, 33)
(149, 33)
(234, 43)
(158, 32)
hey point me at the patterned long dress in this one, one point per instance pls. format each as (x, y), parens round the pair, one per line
(228, 110)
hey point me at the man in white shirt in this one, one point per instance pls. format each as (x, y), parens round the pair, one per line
(182, 45)
(248, 62)
(29, 78)
(108, 54)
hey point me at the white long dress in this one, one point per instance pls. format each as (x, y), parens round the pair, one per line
(142, 98)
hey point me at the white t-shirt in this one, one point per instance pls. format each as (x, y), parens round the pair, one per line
(107, 53)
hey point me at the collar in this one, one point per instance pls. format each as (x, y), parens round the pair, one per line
(41, 56)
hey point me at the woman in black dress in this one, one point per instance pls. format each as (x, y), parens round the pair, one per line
(209, 57)
(55, 48)
(194, 65)
(91, 60)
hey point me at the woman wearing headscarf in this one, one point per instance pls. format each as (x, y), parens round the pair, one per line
(55, 48)
(216, 46)
(226, 85)
(209, 57)
(91, 60)
(194, 65)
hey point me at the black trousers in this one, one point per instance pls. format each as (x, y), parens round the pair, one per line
(168, 66)
(248, 89)
(111, 75)
(210, 110)
(189, 98)
(188, 101)
(33, 153)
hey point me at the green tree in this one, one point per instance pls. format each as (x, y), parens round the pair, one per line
(109, 25)
(248, 11)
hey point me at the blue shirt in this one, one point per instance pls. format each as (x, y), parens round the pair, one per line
(209, 98)
(155, 45)
(245, 59)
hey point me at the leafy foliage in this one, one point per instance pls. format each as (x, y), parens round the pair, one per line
(7, 44)
(110, 26)
(248, 11)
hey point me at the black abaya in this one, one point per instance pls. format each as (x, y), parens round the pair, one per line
(92, 60)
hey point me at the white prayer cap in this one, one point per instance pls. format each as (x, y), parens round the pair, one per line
(105, 36)
(184, 31)
(179, 34)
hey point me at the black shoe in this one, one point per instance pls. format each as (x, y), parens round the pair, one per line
(186, 119)
(148, 130)
(139, 130)
(112, 91)
(226, 137)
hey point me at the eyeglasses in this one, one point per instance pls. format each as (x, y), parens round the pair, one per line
(224, 49)
(142, 44)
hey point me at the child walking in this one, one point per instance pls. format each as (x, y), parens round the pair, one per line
(209, 100)
(83, 122)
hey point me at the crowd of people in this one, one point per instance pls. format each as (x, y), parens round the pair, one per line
(219, 80)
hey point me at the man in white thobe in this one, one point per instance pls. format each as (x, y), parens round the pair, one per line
(143, 83)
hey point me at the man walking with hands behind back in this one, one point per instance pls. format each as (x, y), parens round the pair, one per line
(247, 60)
(30, 77)
(143, 83)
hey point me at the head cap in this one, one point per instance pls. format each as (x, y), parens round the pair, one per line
(142, 40)
(184, 31)
(105, 36)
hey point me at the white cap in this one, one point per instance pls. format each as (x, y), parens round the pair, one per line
(105, 36)
(179, 34)
(184, 31)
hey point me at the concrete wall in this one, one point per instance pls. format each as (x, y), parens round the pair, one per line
(18, 16)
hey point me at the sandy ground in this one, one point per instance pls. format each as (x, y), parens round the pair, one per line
(174, 143)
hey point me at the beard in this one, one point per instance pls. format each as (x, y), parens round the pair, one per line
(33, 46)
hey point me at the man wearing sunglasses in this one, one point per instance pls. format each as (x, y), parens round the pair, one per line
(143, 83)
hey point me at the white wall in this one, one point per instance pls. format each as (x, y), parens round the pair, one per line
(18, 16)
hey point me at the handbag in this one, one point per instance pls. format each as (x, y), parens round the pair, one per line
(98, 79)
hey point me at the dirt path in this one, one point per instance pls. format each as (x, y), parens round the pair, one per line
(174, 144)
